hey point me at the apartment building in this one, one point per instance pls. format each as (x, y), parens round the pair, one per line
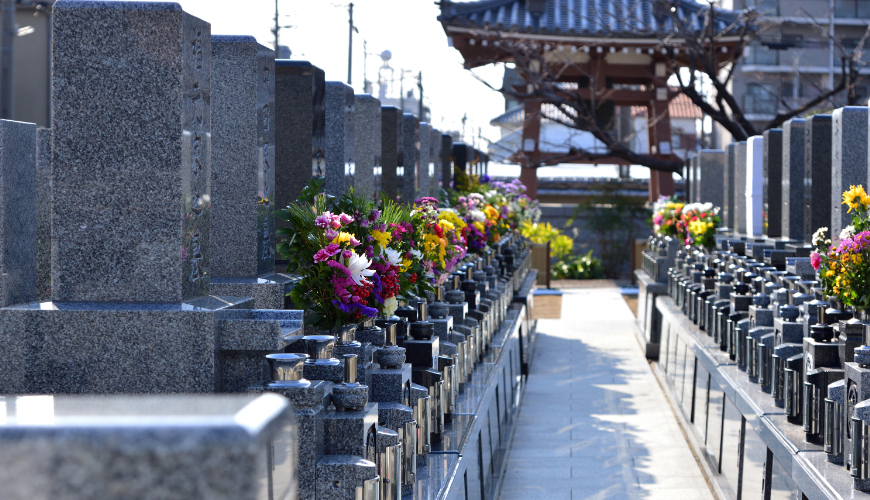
(794, 58)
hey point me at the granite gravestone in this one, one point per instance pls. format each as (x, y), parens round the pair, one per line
(147, 447)
(410, 157)
(793, 146)
(18, 212)
(43, 213)
(848, 161)
(130, 273)
(728, 208)
(243, 173)
(425, 151)
(445, 168)
(772, 188)
(434, 161)
(392, 145)
(712, 164)
(339, 142)
(817, 174)
(754, 180)
(461, 153)
(367, 142)
(300, 127)
(695, 169)
(740, 187)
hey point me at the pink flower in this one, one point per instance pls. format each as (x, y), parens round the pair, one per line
(323, 220)
(816, 260)
(325, 253)
(331, 234)
(345, 219)
(346, 254)
(354, 242)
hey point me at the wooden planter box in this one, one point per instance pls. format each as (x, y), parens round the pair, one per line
(547, 304)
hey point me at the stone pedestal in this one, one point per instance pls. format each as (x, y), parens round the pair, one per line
(857, 379)
(423, 353)
(110, 444)
(389, 384)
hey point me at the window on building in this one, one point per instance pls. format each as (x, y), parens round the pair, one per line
(852, 8)
(761, 54)
(760, 98)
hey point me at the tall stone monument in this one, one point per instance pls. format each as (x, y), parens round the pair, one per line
(300, 128)
(817, 174)
(425, 152)
(793, 148)
(434, 161)
(445, 169)
(410, 157)
(848, 161)
(43, 217)
(740, 187)
(18, 212)
(754, 181)
(131, 218)
(339, 142)
(728, 208)
(367, 142)
(243, 173)
(392, 144)
(711, 168)
(772, 184)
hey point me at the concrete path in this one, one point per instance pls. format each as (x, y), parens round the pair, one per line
(594, 423)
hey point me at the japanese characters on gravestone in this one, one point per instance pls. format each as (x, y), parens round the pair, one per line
(817, 174)
(848, 161)
(300, 126)
(339, 142)
(793, 146)
(243, 172)
(367, 142)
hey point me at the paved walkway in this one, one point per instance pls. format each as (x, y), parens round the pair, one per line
(594, 423)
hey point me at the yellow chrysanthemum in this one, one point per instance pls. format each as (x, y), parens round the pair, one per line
(853, 197)
(491, 213)
(382, 238)
(697, 227)
(829, 273)
(342, 237)
(446, 225)
(479, 226)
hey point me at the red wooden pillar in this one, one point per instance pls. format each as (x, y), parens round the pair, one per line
(659, 129)
(530, 151)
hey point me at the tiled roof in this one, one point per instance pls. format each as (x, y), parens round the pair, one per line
(679, 107)
(600, 18)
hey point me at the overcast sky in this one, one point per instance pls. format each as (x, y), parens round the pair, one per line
(407, 28)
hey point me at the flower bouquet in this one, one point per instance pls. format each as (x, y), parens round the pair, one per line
(701, 220)
(666, 218)
(440, 234)
(485, 226)
(844, 270)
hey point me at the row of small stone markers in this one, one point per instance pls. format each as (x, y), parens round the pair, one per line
(141, 310)
(771, 376)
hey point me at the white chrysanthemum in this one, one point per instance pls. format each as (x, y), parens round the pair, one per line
(847, 232)
(416, 253)
(820, 236)
(393, 257)
(478, 216)
(358, 267)
(390, 306)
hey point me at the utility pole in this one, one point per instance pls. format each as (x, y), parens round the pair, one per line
(7, 12)
(277, 28)
(351, 29)
(365, 59)
(420, 88)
